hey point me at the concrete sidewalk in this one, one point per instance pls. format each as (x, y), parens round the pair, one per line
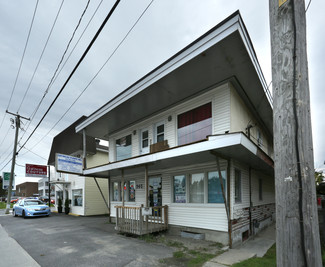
(255, 247)
(11, 253)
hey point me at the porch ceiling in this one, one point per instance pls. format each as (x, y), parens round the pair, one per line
(233, 146)
(224, 53)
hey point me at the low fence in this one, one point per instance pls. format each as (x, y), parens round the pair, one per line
(141, 220)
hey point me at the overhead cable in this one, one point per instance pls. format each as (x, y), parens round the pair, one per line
(96, 73)
(74, 70)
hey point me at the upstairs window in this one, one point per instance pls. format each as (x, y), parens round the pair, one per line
(160, 132)
(124, 148)
(194, 125)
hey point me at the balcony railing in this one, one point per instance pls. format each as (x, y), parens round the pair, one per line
(140, 220)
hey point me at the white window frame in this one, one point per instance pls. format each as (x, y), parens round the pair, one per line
(238, 199)
(156, 131)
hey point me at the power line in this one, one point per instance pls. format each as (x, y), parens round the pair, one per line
(41, 56)
(74, 70)
(96, 73)
(21, 62)
(54, 75)
(22, 59)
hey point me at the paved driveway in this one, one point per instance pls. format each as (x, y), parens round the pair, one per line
(62, 240)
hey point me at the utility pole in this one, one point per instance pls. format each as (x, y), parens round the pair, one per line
(297, 228)
(13, 161)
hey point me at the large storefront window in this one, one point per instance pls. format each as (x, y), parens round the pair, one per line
(202, 187)
(194, 125)
(180, 189)
(124, 148)
(129, 191)
(214, 187)
(197, 188)
(77, 197)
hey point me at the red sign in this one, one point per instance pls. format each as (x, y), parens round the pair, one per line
(36, 171)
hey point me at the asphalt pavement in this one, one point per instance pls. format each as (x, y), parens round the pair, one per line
(64, 240)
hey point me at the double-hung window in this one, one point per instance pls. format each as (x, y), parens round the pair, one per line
(194, 125)
(160, 132)
(77, 197)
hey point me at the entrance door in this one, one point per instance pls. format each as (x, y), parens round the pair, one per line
(155, 197)
(144, 146)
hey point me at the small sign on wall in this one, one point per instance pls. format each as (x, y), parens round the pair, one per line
(147, 211)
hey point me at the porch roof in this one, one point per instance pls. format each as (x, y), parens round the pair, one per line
(224, 53)
(235, 146)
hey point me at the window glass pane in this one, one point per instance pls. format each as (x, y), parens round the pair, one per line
(132, 191)
(77, 197)
(237, 186)
(260, 189)
(116, 192)
(197, 188)
(124, 148)
(180, 189)
(194, 125)
(214, 187)
(160, 133)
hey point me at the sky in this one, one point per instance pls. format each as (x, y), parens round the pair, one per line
(165, 28)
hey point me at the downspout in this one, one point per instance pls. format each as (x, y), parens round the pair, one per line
(250, 200)
(229, 204)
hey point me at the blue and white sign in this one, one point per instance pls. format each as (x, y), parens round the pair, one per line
(66, 163)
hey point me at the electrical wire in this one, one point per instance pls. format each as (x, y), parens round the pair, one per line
(100, 69)
(41, 56)
(74, 70)
(56, 75)
(64, 53)
(308, 6)
(21, 62)
(22, 59)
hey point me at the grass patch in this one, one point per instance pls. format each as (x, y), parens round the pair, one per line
(269, 260)
(3, 205)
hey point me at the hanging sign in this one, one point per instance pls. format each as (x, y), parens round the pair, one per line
(69, 164)
(39, 171)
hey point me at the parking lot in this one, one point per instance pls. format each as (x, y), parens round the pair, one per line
(63, 240)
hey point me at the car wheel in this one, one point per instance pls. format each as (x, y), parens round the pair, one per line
(23, 214)
(14, 213)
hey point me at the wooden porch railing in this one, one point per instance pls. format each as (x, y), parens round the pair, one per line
(133, 221)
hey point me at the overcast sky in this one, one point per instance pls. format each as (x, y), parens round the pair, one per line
(165, 28)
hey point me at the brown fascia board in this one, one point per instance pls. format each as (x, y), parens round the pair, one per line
(68, 142)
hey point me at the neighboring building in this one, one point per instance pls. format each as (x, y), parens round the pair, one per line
(27, 189)
(83, 192)
(198, 121)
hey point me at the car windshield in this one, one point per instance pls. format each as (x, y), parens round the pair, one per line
(33, 202)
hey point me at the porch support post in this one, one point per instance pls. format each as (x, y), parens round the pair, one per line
(122, 185)
(146, 182)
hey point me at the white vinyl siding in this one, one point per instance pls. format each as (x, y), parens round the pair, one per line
(219, 98)
(206, 216)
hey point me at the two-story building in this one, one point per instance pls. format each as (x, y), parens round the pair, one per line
(192, 139)
(87, 195)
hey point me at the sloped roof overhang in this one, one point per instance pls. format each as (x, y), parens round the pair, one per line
(235, 146)
(222, 54)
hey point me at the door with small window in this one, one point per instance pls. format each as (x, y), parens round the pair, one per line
(144, 146)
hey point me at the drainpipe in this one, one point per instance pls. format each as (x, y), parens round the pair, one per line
(250, 200)
(229, 204)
